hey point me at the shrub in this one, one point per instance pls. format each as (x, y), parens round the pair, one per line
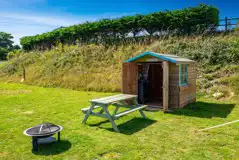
(3, 53)
(233, 82)
(14, 54)
(111, 31)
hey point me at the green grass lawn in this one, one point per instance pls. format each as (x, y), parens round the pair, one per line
(163, 136)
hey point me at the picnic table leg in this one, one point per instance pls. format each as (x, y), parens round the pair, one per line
(111, 119)
(88, 113)
(140, 111)
(134, 100)
(116, 110)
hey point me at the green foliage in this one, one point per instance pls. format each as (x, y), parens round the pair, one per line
(233, 82)
(3, 53)
(13, 54)
(111, 31)
(18, 60)
(211, 50)
(209, 76)
(15, 47)
(6, 45)
(5, 40)
(222, 79)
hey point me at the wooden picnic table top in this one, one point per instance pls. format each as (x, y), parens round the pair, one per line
(112, 99)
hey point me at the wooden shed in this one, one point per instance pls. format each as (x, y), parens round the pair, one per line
(160, 80)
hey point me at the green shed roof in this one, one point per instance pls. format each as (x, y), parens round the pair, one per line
(166, 57)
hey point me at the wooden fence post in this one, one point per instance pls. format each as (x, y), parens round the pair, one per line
(226, 24)
(23, 74)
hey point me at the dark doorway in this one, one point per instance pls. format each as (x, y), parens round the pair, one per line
(150, 83)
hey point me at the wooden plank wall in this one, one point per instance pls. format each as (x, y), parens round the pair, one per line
(178, 96)
(130, 78)
(173, 85)
(188, 93)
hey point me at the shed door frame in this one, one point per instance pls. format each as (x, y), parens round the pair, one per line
(165, 85)
(127, 82)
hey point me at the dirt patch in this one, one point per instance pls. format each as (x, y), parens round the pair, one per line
(3, 154)
(110, 155)
(28, 112)
(8, 92)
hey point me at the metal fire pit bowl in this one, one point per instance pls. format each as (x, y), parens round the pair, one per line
(41, 132)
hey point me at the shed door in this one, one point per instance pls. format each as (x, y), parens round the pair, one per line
(130, 78)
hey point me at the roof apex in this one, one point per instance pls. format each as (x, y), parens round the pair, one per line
(167, 57)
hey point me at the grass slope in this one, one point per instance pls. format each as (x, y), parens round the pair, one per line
(98, 68)
(162, 136)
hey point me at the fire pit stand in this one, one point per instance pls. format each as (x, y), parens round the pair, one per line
(42, 134)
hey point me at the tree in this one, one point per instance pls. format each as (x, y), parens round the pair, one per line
(3, 53)
(5, 40)
(6, 45)
(14, 47)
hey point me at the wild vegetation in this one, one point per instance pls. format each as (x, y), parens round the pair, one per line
(128, 28)
(98, 68)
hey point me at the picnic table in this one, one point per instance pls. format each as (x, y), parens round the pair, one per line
(118, 101)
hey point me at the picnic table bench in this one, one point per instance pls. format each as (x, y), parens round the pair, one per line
(118, 101)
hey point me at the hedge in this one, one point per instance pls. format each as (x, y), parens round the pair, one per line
(185, 21)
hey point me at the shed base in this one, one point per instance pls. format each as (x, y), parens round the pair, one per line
(154, 106)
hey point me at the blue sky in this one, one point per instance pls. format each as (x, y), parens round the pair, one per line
(30, 17)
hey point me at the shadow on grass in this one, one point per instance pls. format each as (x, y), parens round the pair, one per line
(205, 110)
(130, 127)
(53, 148)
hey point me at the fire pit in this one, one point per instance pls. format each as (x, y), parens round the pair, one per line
(42, 133)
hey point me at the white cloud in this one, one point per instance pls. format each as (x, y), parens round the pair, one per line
(28, 24)
(46, 20)
(20, 25)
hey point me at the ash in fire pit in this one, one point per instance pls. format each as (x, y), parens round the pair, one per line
(42, 134)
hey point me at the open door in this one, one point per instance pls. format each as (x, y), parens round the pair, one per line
(130, 78)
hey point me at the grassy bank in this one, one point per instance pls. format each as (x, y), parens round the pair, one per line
(162, 136)
(98, 68)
